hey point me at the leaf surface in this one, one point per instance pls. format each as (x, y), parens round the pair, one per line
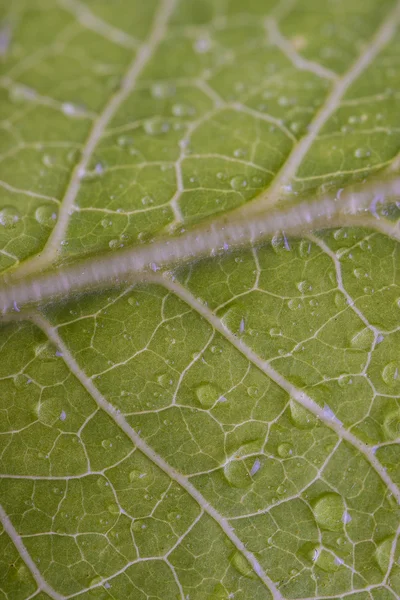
(220, 417)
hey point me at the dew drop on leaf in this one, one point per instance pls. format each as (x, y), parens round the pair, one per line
(328, 511)
(391, 425)
(362, 153)
(390, 373)
(285, 450)
(9, 217)
(207, 394)
(46, 215)
(239, 182)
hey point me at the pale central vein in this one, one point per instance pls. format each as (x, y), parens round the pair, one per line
(144, 54)
(112, 269)
(120, 420)
(265, 366)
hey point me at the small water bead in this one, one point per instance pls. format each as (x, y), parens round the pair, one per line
(295, 304)
(163, 90)
(115, 244)
(113, 509)
(383, 554)
(253, 391)
(46, 215)
(147, 200)
(164, 379)
(125, 141)
(363, 339)
(135, 474)
(207, 394)
(391, 425)
(275, 332)
(328, 511)
(304, 287)
(390, 373)
(106, 223)
(9, 217)
(242, 566)
(183, 110)
(202, 45)
(239, 152)
(48, 160)
(107, 444)
(156, 126)
(301, 417)
(360, 273)
(362, 153)
(239, 182)
(285, 450)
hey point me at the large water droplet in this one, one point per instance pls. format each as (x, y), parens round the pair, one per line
(294, 304)
(237, 474)
(135, 474)
(390, 374)
(107, 444)
(285, 450)
(241, 564)
(382, 554)
(46, 215)
(301, 417)
(9, 217)
(183, 110)
(49, 411)
(156, 126)
(239, 182)
(163, 90)
(391, 425)
(328, 511)
(304, 287)
(363, 339)
(362, 153)
(207, 394)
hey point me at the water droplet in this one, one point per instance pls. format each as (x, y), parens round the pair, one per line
(390, 374)
(46, 215)
(241, 564)
(301, 417)
(107, 444)
(304, 287)
(253, 391)
(340, 301)
(115, 244)
(280, 490)
(207, 394)
(174, 516)
(9, 217)
(363, 339)
(285, 450)
(362, 153)
(135, 474)
(163, 90)
(236, 473)
(295, 304)
(328, 511)
(360, 273)
(183, 110)
(383, 552)
(113, 509)
(164, 379)
(275, 332)
(96, 581)
(147, 200)
(239, 152)
(391, 425)
(156, 126)
(48, 160)
(239, 182)
(202, 45)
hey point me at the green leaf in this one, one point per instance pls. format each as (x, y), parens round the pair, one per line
(199, 345)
